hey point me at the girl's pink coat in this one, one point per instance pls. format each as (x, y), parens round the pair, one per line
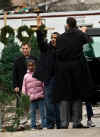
(32, 87)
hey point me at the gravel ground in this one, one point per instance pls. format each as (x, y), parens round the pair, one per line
(89, 132)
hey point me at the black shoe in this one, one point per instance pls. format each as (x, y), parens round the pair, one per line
(50, 127)
(79, 126)
(58, 127)
(64, 127)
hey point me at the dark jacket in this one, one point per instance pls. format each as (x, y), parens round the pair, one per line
(46, 67)
(73, 78)
(19, 70)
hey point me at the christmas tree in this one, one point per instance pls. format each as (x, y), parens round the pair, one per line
(9, 53)
(7, 95)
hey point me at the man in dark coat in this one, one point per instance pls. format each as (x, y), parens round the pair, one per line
(20, 68)
(46, 72)
(73, 80)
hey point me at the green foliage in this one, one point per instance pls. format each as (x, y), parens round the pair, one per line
(5, 98)
(21, 110)
(24, 105)
(6, 65)
(28, 31)
(4, 31)
(9, 53)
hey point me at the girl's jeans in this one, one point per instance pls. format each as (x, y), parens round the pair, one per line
(33, 108)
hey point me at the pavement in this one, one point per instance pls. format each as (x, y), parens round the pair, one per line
(88, 132)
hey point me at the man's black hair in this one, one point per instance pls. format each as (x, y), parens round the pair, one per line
(71, 22)
(58, 34)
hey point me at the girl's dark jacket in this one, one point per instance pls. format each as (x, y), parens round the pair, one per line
(46, 67)
(73, 78)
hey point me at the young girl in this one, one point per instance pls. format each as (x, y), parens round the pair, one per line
(35, 90)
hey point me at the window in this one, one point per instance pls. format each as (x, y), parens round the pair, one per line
(96, 46)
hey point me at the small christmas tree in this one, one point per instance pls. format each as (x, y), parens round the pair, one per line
(7, 95)
(9, 53)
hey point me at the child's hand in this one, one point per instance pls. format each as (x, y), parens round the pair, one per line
(16, 89)
(83, 29)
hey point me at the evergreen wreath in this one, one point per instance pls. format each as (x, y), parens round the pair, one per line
(4, 31)
(20, 36)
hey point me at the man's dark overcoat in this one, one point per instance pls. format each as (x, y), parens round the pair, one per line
(19, 70)
(73, 78)
(46, 66)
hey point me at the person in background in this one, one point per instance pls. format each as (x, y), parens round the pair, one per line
(90, 114)
(74, 83)
(89, 54)
(19, 70)
(35, 90)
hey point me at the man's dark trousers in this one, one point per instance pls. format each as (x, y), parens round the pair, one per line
(52, 110)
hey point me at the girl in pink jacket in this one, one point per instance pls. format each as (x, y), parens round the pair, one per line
(35, 90)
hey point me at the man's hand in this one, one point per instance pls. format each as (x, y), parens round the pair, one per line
(83, 29)
(16, 89)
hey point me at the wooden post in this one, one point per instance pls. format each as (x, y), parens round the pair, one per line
(39, 21)
(5, 18)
